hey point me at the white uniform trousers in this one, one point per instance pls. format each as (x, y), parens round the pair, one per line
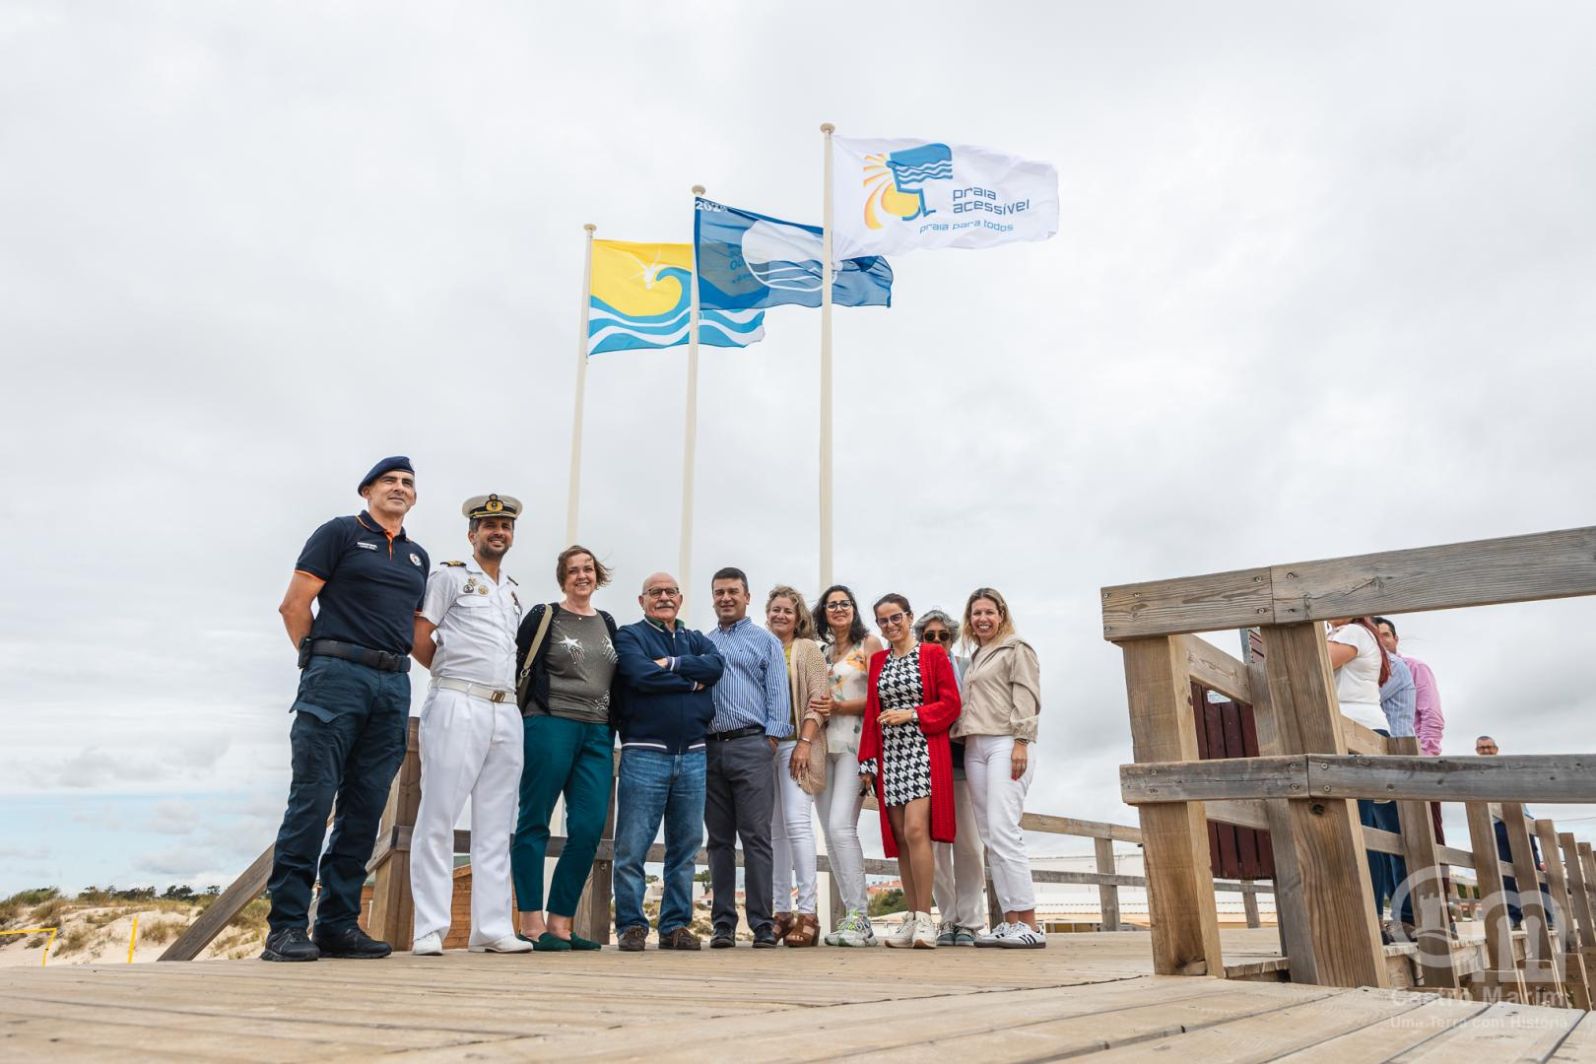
(959, 885)
(999, 802)
(470, 748)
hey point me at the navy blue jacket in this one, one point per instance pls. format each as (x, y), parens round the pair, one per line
(661, 710)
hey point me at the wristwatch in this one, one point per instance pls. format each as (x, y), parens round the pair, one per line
(1022, 742)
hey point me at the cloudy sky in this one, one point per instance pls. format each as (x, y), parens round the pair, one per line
(1323, 286)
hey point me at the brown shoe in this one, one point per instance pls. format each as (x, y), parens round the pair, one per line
(681, 938)
(805, 931)
(633, 939)
(782, 923)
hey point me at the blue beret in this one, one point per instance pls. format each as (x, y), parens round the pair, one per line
(392, 462)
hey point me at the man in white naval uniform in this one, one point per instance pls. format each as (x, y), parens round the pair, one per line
(471, 734)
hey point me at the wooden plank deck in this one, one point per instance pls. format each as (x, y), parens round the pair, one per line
(1084, 994)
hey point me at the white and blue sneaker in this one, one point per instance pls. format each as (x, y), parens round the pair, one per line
(997, 935)
(853, 930)
(1023, 936)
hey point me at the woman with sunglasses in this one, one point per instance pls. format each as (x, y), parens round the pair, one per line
(959, 888)
(848, 646)
(1003, 690)
(913, 699)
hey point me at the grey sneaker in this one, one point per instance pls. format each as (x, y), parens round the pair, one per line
(962, 936)
(853, 930)
(947, 934)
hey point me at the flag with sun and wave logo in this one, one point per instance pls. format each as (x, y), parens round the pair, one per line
(892, 196)
(639, 298)
(748, 260)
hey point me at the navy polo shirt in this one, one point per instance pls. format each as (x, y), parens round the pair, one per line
(375, 583)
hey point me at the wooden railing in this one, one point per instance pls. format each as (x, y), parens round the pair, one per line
(392, 913)
(1316, 762)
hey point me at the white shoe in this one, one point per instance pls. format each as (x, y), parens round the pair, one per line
(902, 936)
(1023, 936)
(999, 932)
(507, 944)
(854, 930)
(429, 945)
(925, 932)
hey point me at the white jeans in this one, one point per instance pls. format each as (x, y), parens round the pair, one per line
(470, 748)
(792, 838)
(960, 884)
(999, 801)
(840, 804)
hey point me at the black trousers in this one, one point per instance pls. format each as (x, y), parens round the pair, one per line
(739, 795)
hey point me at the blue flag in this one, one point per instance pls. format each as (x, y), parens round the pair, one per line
(746, 260)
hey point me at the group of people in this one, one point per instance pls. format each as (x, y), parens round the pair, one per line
(738, 732)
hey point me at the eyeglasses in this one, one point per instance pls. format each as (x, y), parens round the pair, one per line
(663, 592)
(839, 606)
(938, 636)
(889, 621)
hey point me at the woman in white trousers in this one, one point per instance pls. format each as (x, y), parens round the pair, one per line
(1002, 698)
(799, 770)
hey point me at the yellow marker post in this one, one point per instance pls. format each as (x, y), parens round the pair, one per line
(37, 931)
(133, 939)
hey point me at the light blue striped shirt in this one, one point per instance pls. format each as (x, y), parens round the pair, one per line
(1398, 698)
(753, 689)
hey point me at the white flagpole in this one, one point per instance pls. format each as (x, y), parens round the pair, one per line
(825, 365)
(574, 500)
(684, 566)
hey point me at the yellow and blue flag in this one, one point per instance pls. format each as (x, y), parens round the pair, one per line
(748, 260)
(640, 300)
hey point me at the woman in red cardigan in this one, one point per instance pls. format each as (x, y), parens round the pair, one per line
(911, 702)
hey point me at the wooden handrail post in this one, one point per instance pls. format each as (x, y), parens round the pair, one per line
(1540, 959)
(392, 908)
(1107, 893)
(1249, 905)
(1564, 939)
(1180, 884)
(1323, 835)
(1502, 976)
(1425, 877)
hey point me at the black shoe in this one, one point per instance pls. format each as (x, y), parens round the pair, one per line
(723, 938)
(681, 938)
(765, 937)
(350, 942)
(290, 944)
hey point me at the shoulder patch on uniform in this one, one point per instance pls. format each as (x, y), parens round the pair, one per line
(454, 565)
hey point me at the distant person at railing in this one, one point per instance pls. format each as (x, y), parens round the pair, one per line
(1485, 746)
(800, 769)
(1361, 668)
(903, 753)
(669, 671)
(848, 646)
(1002, 703)
(960, 884)
(1428, 722)
(569, 689)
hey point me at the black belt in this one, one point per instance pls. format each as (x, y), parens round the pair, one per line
(376, 659)
(736, 733)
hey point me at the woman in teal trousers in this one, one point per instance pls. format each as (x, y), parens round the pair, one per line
(567, 686)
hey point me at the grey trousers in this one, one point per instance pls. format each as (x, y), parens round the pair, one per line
(739, 794)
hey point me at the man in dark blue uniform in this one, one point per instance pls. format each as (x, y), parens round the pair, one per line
(350, 715)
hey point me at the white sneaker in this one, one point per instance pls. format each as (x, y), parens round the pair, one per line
(853, 930)
(925, 932)
(507, 944)
(1023, 936)
(996, 937)
(902, 936)
(429, 945)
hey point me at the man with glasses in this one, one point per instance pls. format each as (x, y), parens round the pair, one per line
(668, 671)
(959, 886)
(752, 711)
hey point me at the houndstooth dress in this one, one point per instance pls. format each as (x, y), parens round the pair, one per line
(906, 760)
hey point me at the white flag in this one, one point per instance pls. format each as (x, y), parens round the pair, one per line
(892, 196)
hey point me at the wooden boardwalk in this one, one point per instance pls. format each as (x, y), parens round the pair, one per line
(1085, 994)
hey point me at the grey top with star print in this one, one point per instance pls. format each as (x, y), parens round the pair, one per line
(581, 664)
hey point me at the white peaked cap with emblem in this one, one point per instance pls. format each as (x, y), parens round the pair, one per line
(492, 506)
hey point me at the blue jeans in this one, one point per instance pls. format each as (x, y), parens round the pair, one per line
(655, 785)
(348, 740)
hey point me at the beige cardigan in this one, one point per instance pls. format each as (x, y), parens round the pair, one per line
(1002, 692)
(809, 678)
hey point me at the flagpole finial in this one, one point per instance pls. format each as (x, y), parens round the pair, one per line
(590, 228)
(827, 128)
(698, 190)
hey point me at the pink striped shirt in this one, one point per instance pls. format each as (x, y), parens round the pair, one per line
(1428, 723)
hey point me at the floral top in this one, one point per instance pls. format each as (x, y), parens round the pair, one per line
(850, 679)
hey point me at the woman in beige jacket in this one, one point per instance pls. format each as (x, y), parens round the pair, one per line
(800, 769)
(1002, 697)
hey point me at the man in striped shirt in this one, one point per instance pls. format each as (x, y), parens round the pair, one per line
(752, 711)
